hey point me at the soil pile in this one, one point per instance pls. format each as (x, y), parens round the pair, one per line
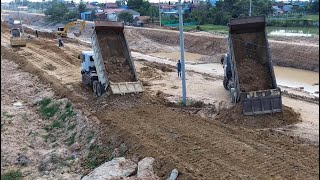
(234, 116)
(113, 52)
(253, 76)
(250, 52)
(117, 69)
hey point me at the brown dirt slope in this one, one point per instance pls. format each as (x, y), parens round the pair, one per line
(199, 149)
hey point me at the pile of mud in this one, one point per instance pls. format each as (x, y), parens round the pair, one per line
(253, 76)
(234, 116)
(251, 57)
(117, 69)
(114, 54)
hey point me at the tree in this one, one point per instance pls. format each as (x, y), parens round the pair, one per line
(139, 5)
(93, 15)
(59, 12)
(126, 17)
(82, 7)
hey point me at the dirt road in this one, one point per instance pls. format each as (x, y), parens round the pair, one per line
(199, 149)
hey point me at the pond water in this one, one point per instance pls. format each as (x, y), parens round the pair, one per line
(293, 31)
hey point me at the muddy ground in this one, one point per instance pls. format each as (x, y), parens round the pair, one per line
(197, 147)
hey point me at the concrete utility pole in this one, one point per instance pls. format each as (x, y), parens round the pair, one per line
(20, 20)
(183, 72)
(250, 7)
(159, 14)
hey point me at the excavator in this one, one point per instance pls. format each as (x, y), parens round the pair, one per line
(62, 31)
(17, 39)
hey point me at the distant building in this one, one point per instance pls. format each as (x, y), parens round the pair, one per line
(111, 5)
(86, 16)
(23, 8)
(143, 19)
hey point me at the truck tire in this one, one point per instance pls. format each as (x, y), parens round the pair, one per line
(99, 90)
(225, 83)
(95, 83)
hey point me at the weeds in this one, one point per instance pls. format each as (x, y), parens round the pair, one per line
(96, 157)
(71, 139)
(71, 127)
(53, 125)
(47, 110)
(12, 175)
(6, 114)
(90, 136)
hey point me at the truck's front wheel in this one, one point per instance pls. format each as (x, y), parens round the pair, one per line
(225, 83)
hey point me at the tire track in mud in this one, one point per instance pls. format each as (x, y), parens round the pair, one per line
(198, 148)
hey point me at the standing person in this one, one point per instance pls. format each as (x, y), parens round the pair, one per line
(37, 33)
(179, 68)
(60, 42)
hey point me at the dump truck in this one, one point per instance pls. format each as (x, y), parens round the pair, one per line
(17, 39)
(109, 68)
(248, 69)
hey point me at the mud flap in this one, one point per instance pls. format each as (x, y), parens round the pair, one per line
(261, 102)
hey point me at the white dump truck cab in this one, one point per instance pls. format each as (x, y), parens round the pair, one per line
(87, 61)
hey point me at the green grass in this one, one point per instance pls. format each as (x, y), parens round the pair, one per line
(90, 136)
(71, 139)
(313, 17)
(207, 27)
(11, 175)
(48, 109)
(53, 125)
(6, 114)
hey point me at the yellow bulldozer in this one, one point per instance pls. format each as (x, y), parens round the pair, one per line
(63, 31)
(16, 38)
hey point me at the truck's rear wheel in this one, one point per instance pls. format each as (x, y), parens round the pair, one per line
(94, 86)
(99, 90)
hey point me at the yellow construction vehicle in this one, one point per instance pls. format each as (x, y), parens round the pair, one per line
(62, 31)
(16, 38)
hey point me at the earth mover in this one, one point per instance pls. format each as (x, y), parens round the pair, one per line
(63, 31)
(248, 70)
(17, 39)
(109, 68)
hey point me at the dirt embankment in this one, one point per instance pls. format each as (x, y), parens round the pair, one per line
(300, 56)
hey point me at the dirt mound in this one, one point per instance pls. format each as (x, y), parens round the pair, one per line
(234, 116)
(250, 52)
(113, 53)
(253, 76)
(162, 67)
(149, 73)
(194, 44)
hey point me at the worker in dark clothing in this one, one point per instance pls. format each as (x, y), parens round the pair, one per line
(60, 42)
(37, 33)
(179, 68)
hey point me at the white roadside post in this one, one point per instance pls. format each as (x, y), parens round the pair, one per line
(159, 14)
(250, 8)
(183, 74)
(20, 20)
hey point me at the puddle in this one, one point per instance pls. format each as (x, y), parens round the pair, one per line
(292, 77)
(176, 56)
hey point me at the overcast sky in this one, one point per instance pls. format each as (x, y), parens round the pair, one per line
(103, 1)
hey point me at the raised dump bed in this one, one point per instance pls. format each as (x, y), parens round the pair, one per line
(252, 81)
(113, 62)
